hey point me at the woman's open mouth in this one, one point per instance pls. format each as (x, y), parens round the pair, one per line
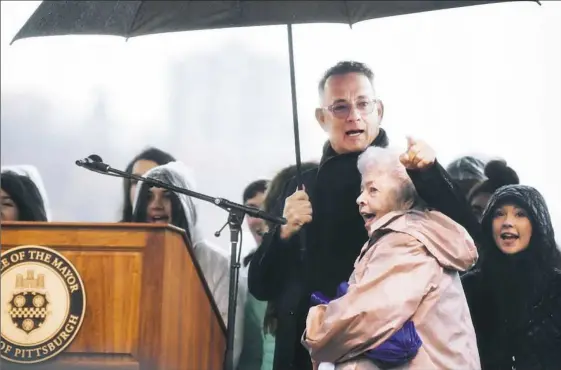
(159, 219)
(509, 239)
(368, 218)
(509, 236)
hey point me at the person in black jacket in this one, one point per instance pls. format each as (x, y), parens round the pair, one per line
(515, 293)
(498, 174)
(316, 252)
(466, 171)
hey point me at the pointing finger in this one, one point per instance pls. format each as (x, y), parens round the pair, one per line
(410, 141)
(404, 159)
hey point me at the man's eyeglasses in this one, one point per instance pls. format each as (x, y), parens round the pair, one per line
(342, 110)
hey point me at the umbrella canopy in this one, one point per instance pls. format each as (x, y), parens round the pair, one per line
(137, 18)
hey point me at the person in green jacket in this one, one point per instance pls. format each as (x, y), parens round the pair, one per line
(252, 352)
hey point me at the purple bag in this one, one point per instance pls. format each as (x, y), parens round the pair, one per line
(320, 298)
(397, 350)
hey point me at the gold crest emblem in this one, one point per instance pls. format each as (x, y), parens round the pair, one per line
(29, 302)
(43, 304)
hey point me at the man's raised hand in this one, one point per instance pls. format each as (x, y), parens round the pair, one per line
(418, 156)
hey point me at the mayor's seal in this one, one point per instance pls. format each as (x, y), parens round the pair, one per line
(42, 301)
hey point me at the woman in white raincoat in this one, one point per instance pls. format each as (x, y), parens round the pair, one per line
(21, 200)
(32, 173)
(158, 205)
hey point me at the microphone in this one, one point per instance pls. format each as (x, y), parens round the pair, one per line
(94, 158)
(93, 162)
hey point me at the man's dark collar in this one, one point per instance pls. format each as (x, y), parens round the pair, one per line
(381, 141)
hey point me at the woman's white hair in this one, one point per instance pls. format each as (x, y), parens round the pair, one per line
(386, 160)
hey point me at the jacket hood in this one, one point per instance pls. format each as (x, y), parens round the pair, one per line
(445, 239)
(533, 203)
(178, 174)
(542, 246)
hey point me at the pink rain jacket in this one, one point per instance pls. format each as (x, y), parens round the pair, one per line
(410, 272)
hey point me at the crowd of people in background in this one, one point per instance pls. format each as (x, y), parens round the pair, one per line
(387, 260)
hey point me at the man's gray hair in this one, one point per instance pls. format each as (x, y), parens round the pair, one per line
(386, 160)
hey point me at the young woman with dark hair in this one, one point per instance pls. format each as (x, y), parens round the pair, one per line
(515, 292)
(144, 161)
(157, 205)
(21, 200)
(259, 337)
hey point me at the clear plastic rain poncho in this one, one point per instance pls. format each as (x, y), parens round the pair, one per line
(467, 168)
(213, 260)
(33, 174)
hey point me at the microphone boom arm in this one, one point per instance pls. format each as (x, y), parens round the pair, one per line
(220, 202)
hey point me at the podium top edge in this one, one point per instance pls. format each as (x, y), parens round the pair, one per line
(88, 225)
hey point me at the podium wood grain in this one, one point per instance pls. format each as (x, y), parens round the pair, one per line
(147, 306)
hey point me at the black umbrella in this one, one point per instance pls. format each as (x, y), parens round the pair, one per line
(137, 18)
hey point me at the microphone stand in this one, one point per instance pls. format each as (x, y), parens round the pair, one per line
(236, 214)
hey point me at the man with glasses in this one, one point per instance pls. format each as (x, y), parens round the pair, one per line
(284, 270)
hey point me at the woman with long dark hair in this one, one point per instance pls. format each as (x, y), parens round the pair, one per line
(515, 293)
(31, 172)
(144, 161)
(259, 336)
(21, 200)
(157, 205)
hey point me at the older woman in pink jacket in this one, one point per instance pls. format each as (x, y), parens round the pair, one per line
(407, 271)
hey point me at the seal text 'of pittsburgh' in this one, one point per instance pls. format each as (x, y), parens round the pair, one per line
(45, 349)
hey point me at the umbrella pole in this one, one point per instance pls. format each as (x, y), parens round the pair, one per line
(294, 108)
(302, 233)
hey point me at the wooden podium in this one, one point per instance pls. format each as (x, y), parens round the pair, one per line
(147, 305)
